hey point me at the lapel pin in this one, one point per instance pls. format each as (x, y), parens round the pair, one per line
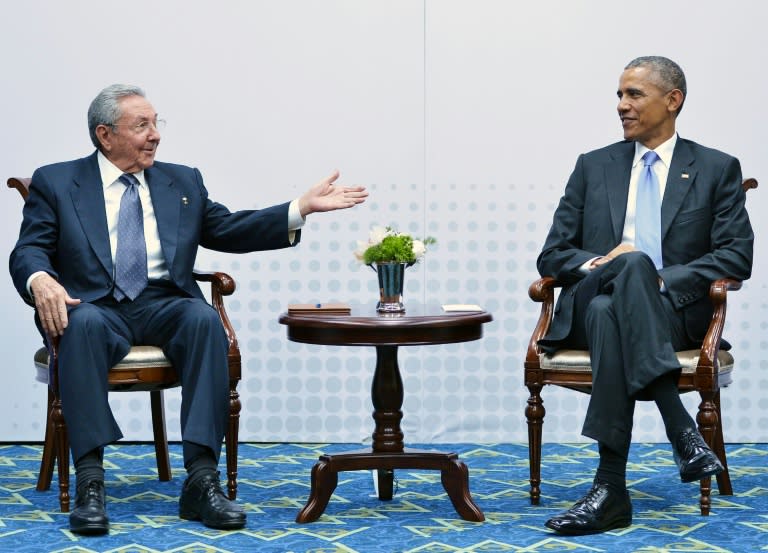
(185, 201)
(684, 176)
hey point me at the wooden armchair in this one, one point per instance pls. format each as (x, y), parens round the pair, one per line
(705, 370)
(145, 368)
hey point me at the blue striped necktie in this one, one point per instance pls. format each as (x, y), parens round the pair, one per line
(131, 256)
(648, 211)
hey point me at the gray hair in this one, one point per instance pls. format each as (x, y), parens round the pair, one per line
(105, 108)
(666, 73)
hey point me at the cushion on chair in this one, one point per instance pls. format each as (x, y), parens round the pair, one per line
(578, 360)
(139, 356)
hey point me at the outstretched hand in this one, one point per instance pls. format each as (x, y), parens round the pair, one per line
(326, 196)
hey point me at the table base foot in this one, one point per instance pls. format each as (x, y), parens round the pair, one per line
(454, 476)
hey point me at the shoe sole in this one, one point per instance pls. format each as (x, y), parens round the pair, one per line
(230, 525)
(90, 529)
(619, 523)
(710, 470)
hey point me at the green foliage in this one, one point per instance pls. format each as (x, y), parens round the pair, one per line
(396, 247)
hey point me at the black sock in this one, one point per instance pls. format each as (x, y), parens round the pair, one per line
(89, 467)
(198, 460)
(665, 393)
(612, 469)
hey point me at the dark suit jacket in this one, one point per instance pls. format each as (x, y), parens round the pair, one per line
(706, 233)
(64, 230)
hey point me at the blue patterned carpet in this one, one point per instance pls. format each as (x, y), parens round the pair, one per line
(274, 485)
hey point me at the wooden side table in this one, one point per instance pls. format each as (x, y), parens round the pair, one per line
(420, 325)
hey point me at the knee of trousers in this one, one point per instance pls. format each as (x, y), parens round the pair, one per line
(203, 318)
(599, 309)
(635, 261)
(84, 320)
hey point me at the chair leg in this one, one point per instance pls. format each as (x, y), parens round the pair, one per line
(724, 478)
(61, 442)
(49, 453)
(534, 413)
(161, 438)
(231, 438)
(708, 423)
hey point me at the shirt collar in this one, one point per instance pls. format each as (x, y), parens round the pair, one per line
(664, 151)
(110, 173)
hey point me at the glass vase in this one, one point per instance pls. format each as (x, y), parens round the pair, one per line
(391, 276)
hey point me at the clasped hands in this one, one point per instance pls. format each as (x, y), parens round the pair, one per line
(614, 253)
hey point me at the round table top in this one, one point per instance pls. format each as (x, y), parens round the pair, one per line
(418, 325)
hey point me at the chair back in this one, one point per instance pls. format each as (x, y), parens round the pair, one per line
(21, 184)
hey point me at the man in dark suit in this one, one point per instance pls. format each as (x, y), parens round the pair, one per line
(106, 251)
(637, 278)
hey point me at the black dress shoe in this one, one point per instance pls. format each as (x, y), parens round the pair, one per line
(90, 514)
(202, 499)
(602, 509)
(693, 457)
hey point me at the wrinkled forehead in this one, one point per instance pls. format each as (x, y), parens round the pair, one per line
(136, 108)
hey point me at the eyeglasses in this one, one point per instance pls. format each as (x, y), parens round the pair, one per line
(144, 126)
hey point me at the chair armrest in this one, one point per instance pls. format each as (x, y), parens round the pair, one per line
(718, 292)
(221, 285)
(541, 291)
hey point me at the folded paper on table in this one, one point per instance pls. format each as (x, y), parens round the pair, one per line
(319, 308)
(461, 307)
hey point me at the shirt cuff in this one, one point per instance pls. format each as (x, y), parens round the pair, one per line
(32, 277)
(295, 220)
(586, 267)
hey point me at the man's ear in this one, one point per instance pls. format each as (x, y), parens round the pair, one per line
(104, 134)
(675, 100)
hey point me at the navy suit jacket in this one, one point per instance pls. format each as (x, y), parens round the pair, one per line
(64, 231)
(706, 233)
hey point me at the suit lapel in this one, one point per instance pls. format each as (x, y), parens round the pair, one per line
(166, 202)
(88, 199)
(679, 180)
(617, 174)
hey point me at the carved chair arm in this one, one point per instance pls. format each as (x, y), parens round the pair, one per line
(718, 292)
(221, 285)
(541, 291)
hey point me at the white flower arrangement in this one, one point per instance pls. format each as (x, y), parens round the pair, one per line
(386, 245)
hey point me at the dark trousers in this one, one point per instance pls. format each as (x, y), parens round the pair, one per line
(632, 332)
(100, 334)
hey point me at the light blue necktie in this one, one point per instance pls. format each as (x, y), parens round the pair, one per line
(648, 211)
(131, 256)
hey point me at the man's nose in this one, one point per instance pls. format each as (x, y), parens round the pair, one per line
(623, 105)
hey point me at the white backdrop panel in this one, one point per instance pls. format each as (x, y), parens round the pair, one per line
(464, 119)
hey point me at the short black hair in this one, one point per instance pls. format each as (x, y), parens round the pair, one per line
(669, 75)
